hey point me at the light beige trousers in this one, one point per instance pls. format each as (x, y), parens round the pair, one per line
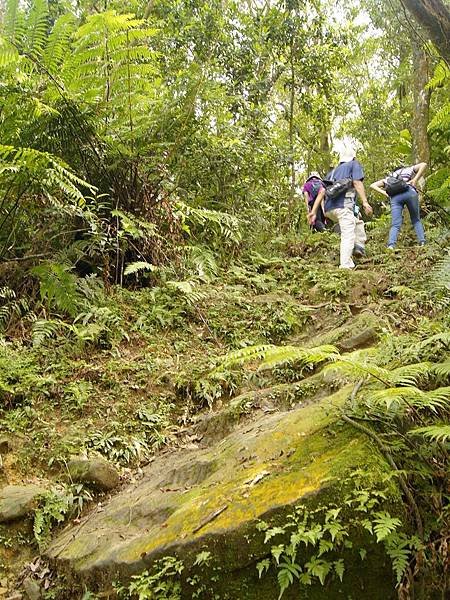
(352, 234)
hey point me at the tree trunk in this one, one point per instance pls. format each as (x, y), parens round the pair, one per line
(325, 151)
(421, 108)
(148, 9)
(434, 16)
(291, 201)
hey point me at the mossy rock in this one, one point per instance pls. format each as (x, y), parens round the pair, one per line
(211, 499)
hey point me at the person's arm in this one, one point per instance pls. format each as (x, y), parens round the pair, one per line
(306, 196)
(420, 170)
(378, 187)
(317, 202)
(359, 187)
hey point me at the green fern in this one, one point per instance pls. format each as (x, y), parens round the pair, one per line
(357, 364)
(135, 267)
(112, 66)
(437, 433)
(14, 23)
(42, 171)
(202, 260)
(401, 398)
(440, 76)
(442, 370)
(58, 287)
(36, 28)
(441, 339)
(409, 375)
(438, 282)
(188, 291)
(226, 225)
(274, 355)
(44, 329)
(12, 308)
(8, 53)
(57, 47)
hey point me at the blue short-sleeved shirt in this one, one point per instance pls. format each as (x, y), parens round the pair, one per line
(352, 169)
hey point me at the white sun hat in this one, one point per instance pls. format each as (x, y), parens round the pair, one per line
(347, 154)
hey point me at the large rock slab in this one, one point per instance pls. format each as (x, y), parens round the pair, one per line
(95, 471)
(18, 501)
(211, 498)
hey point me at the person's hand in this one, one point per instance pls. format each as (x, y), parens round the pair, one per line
(367, 209)
(414, 181)
(311, 218)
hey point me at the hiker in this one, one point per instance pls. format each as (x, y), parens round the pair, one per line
(400, 188)
(311, 188)
(345, 183)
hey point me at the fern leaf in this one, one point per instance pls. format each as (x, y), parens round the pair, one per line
(14, 24)
(272, 355)
(440, 76)
(58, 42)
(410, 374)
(227, 225)
(58, 287)
(442, 369)
(36, 28)
(437, 433)
(8, 53)
(135, 267)
(43, 329)
(402, 397)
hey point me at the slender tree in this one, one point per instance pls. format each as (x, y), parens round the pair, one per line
(434, 15)
(421, 102)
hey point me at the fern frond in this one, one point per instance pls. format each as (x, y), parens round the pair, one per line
(133, 226)
(51, 173)
(202, 260)
(8, 53)
(437, 433)
(227, 225)
(441, 120)
(111, 60)
(187, 288)
(14, 24)
(441, 339)
(354, 367)
(135, 267)
(44, 329)
(401, 398)
(58, 42)
(442, 369)
(36, 28)
(438, 281)
(271, 355)
(58, 287)
(440, 76)
(410, 374)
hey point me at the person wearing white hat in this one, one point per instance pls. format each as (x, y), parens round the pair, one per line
(342, 207)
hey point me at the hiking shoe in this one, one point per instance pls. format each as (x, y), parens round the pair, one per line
(422, 243)
(392, 248)
(359, 251)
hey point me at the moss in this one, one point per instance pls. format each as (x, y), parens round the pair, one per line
(258, 472)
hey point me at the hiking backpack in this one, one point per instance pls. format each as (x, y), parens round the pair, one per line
(336, 187)
(395, 185)
(315, 189)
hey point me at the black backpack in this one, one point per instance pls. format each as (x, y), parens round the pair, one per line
(315, 189)
(395, 185)
(335, 188)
